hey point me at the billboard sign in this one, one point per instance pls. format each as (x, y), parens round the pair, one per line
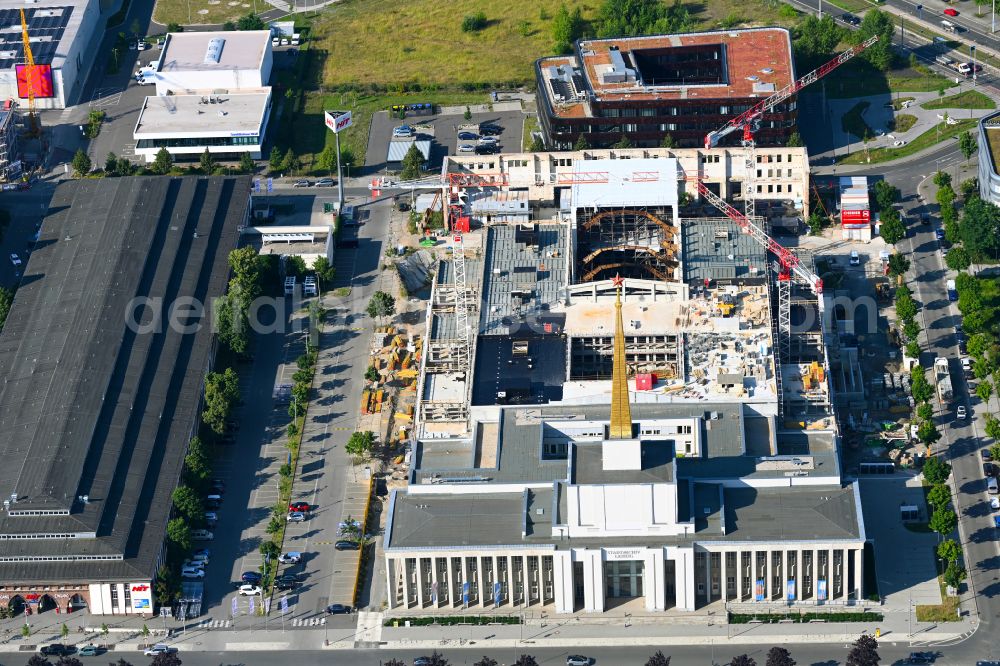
(38, 76)
(759, 590)
(790, 589)
(337, 121)
(821, 589)
(856, 215)
(497, 594)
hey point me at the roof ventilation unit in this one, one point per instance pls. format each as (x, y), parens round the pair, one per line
(214, 51)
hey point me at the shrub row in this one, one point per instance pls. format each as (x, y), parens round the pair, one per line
(454, 619)
(774, 618)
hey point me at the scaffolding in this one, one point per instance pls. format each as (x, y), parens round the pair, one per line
(635, 242)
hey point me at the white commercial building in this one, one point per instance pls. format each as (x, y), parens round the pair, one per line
(60, 32)
(211, 92)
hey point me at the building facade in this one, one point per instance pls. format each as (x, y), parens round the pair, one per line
(989, 148)
(676, 88)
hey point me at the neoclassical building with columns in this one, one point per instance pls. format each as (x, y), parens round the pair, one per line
(589, 505)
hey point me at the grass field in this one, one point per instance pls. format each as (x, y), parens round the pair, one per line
(853, 121)
(968, 99)
(946, 611)
(858, 79)
(938, 133)
(193, 12)
(903, 122)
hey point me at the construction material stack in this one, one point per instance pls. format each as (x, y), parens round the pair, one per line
(855, 209)
(943, 379)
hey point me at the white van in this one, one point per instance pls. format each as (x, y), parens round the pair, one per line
(855, 259)
(991, 485)
(201, 535)
(290, 285)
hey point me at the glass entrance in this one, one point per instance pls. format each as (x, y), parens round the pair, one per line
(623, 578)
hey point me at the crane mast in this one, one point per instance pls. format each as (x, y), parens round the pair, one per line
(29, 74)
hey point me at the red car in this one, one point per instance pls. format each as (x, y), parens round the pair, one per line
(951, 11)
(298, 506)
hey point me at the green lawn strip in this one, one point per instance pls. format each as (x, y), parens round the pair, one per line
(859, 79)
(946, 611)
(195, 12)
(967, 99)
(853, 121)
(850, 5)
(938, 133)
(530, 125)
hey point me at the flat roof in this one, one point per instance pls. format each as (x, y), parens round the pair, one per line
(399, 147)
(802, 514)
(167, 116)
(91, 406)
(52, 27)
(186, 51)
(717, 249)
(757, 62)
(657, 464)
(641, 182)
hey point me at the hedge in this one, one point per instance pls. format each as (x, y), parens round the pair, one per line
(453, 620)
(774, 618)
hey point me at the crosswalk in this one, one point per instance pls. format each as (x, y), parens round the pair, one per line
(309, 622)
(216, 624)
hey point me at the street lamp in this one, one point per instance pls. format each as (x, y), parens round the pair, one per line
(972, 49)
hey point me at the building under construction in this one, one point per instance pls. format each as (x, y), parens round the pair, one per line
(611, 409)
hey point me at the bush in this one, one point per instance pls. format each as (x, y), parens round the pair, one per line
(451, 620)
(774, 618)
(474, 22)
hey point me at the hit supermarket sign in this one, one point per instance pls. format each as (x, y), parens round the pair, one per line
(338, 121)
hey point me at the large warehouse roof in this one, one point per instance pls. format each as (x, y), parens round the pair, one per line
(92, 406)
(204, 51)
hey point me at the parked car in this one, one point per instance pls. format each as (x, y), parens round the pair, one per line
(192, 572)
(201, 554)
(489, 129)
(402, 206)
(57, 649)
(159, 648)
(218, 486)
(850, 19)
(302, 183)
(289, 558)
(336, 609)
(202, 535)
(344, 544)
(489, 140)
(133, 45)
(90, 650)
(142, 45)
(987, 456)
(950, 11)
(468, 136)
(988, 470)
(961, 413)
(577, 660)
(939, 234)
(402, 131)
(250, 590)
(299, 506)
(286, 582)
(348, 244)
(487, 149)
(466, 148)
(251, 577)
(145, 80)
(14, 259)
(200, 564)
(295, 517)
(995, 503)
(921, 658)
(326, 182)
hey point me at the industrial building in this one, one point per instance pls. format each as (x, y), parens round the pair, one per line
(211, 92)
(60, 34)
(648, 89)
(102, 392)
(613, 412)
(10, 162)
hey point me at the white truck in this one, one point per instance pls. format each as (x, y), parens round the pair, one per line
(943, 379)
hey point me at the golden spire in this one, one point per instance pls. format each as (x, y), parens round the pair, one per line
(621, 412)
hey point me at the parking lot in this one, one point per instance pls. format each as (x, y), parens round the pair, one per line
(444, 129)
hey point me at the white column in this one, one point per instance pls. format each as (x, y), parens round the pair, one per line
(858, 573)
(406, 584)
(768, 592)
(435, 583)
(723, 573)
(684, 578)
(525, 582)
(593, 581)
(420, 582)
(739, 575)
(390, 579)
(829, 575)
(798, 575)
(563, 585)
(653, 580)
(510, 581)
(496, 579)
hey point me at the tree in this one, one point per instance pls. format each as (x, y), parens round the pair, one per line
(879, 54)
(892, 230)
(179, 533)
(412, 162)
(942, 179)
(911, 329)
(631, 18)
(295, 266)
(474, 22)
(163, 162)
(939, 496)
(943, 521)
(269, 549)
(668, 141)
(567, 27)
(38, 660)
(623, 143)
(250, 22)
(742, 660)
(898, 264)
(207, 163)
(360, 444)
(290, 162)
(81, 163)
(912, 349)
(188, 504)
(815, 223)
(925, 412)
(197, 467)
(984, 391)
(274, 159)
(957, 258)
(978, 344)
(993, 432)
(980, 228)
(397, 662)
(967, 144)
(67, 660)
(111, 163)
(906, 307)
(232, 324)
(949, 550)
(920, 389)
(581, 142)
(945, 195)
(817, 38)
(222, 391)
(936, 471)
(658, 659)
(381, 305)
(536, 145)
(526, 660)
(794, 140)
(325, 272)
(885, 194)
(969, 188)
(928, 433)
(954, 574)
(864, 652)
(437, 659)
(123, 167)
(166, 659)
(327, 159)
